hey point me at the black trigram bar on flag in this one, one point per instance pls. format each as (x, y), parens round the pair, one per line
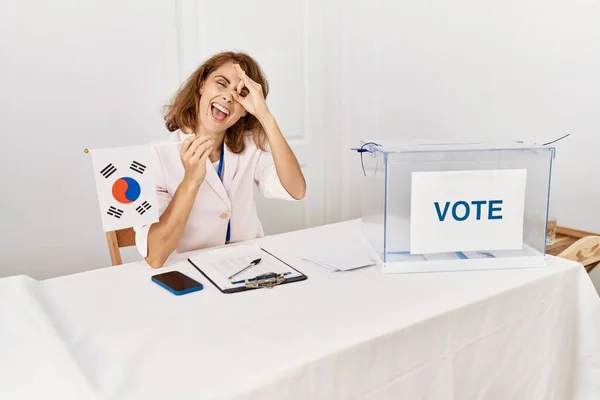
(108, 170)
(115, 212)
(138, 167)
(143, 208)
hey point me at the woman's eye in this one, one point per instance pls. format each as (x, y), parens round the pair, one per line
(221, 83)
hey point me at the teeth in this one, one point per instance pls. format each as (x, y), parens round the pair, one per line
(220, 108)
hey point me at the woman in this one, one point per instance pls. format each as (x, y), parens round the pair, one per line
(205, 186)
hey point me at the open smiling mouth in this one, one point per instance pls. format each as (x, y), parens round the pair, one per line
(219, 112)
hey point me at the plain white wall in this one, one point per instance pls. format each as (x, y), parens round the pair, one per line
(73, 75)
(91, 75)
(80, 74)
(526, 69)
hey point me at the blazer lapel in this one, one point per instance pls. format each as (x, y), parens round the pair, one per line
(230, 164)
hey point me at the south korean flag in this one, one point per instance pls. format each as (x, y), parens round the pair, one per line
(125, 186)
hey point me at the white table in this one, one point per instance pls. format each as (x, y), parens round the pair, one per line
(113, 334)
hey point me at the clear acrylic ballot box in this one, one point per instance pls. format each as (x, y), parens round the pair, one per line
(433, 206)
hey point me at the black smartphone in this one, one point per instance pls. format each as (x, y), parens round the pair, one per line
(177, 282)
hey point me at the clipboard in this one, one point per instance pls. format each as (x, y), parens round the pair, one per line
(208, 264)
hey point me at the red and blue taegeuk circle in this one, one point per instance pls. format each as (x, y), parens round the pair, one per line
(126, 190)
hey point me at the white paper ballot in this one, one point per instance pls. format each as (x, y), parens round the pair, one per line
(340, 259)
(441, 256)
(478, 254)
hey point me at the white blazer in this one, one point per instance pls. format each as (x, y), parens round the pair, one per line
(217, 203)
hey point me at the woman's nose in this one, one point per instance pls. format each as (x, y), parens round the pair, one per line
(228, 97)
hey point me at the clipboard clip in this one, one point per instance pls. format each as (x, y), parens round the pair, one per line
(268, 280)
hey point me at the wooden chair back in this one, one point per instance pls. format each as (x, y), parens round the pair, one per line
(585, 251)
(116, 240)
(577, 245)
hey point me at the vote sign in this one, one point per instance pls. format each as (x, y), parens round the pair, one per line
(467, 210)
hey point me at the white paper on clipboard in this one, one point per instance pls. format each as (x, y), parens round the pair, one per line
(219, 264)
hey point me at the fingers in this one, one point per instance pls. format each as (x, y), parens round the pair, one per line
(242, 74)
(188, 149)
(185, 146)
(239, 87)
(205, 154)
(203, 151)
(197, 143)
(242, 89)
(240, 99)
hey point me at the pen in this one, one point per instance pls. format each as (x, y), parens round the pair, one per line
(253, 279)
(252, 264)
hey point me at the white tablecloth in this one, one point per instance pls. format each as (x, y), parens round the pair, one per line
(113, 334)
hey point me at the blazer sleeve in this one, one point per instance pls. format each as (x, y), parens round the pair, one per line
(163, 198)
(265, 176)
